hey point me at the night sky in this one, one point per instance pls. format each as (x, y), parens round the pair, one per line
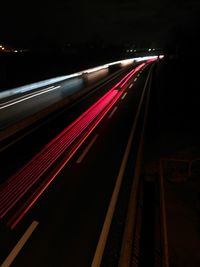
(140, 22)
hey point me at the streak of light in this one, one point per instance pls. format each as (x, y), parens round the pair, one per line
(96, 69)
(33, 171)
(127, 78)
(40, 84)
(95, 75)
(31, 201)
(36, 85)
(51, 81)
(145, 58)
(55, 154)
(126, 62)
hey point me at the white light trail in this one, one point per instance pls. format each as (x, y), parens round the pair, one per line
(40, 84)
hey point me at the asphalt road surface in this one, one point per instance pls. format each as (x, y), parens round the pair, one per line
(69, 214)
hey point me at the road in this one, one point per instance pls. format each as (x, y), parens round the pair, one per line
(70, 196)
(19, 103)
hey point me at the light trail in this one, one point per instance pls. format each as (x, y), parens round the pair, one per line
(128, 77)
(30, 202)
(62, 148)
(30, 175)
(52, 81)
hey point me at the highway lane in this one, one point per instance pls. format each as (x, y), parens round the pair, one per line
(19, 103)
(55, 155)
(60, 225)
(42, 133)
(25, 105)
(22, 112)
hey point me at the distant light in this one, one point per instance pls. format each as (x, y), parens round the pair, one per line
(161, 56)
(127, 50)
(1, 46)
(135, 50)
(131, 50)
(149, 49)
(15, 51)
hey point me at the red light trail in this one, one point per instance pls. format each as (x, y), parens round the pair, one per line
(33, 178)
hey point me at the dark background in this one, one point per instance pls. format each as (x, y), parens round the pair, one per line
(56, 22)
(62, 36)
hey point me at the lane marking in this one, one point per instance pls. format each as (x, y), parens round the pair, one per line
(24, 98)
(135, 79)
(164, 216)
(130, 222)
(96, 262)
(124, 95)
(131, 85)
(87, 149)
(113, 111)
(13, 254)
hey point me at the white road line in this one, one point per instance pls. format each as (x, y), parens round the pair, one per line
(124, 95)
(131, 85)
(24, 98)
(135, 79)
(163, 214)
(113, 111)
(13, 254)
(87, 149)
(96, 262)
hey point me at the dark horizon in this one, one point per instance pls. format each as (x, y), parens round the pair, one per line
(56, 23)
